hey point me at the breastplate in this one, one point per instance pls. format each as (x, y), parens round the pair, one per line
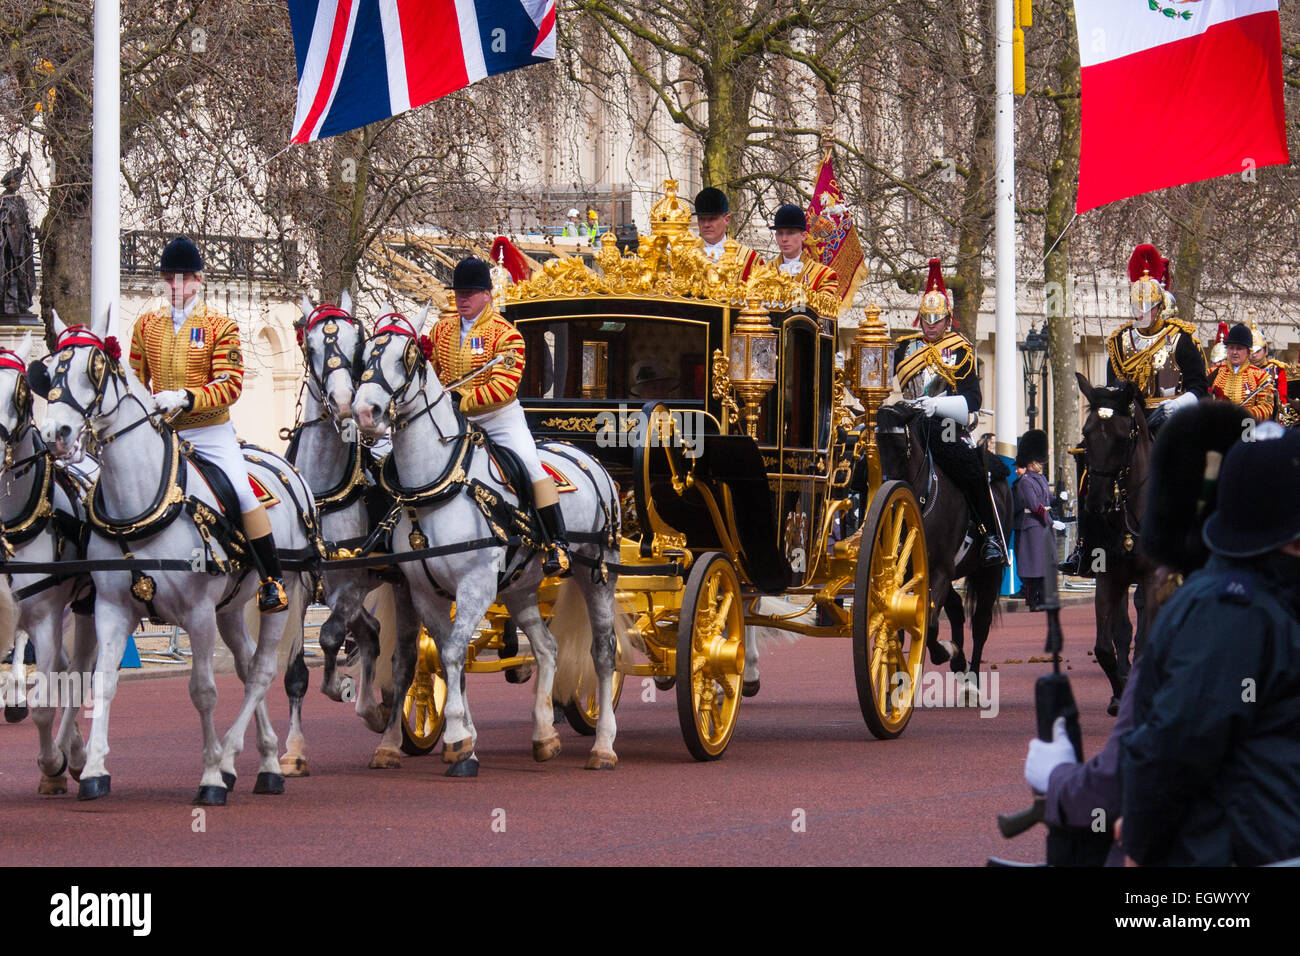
(926, 381)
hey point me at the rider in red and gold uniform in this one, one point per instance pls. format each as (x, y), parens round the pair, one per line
(189, 355)
(790, 226)
(468, 340)
(1241, 382)
(713, 214)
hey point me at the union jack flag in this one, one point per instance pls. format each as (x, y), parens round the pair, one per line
(364, 60)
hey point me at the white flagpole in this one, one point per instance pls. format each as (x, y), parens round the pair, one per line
(1006, 421)
(106, 197)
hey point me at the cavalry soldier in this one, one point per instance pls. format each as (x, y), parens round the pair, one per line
(468, 341)
(189, 355)
(936, 369)
(713, 213)
(1157, 351)
(1238, 381)
(790, 227)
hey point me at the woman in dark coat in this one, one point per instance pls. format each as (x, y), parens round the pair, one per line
(1035, 543)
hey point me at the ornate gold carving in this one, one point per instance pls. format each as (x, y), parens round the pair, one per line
(571, 424)
(145, 588)
(669, 216)
(418, 541)
(722, 387)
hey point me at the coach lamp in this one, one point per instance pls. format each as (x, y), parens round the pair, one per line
(753, 360)
(870, 379)
(1033, 353)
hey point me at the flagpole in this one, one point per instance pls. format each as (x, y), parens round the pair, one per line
(1006, 420)
(106, 197)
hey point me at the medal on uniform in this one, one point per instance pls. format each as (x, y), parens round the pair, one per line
(196, 337)
(476, 344)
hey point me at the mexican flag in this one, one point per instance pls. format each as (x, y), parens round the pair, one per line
(1176, 91)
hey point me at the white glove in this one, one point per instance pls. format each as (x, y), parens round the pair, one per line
(945, 406)
(1044, 757)
(1182, 401)
(177, 399)
(1058, 525)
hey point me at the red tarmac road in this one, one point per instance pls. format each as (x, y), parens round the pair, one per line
(927, 798)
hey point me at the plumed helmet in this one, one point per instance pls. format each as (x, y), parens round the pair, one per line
(1033, 447)
(1147, 272)
(1265, 469)
(181, 255)
(1239, 334)
(935, 300)
(472, 275)
(507, 254)
(1219, 351)
(790, 216)
(711, 201)
(1257, 340)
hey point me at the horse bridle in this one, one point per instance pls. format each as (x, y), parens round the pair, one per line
(334, 357)
(1119, 478)
(102, 368)
(21, 400)
(414, 364)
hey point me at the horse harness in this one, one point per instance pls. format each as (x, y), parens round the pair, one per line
(1119, 505)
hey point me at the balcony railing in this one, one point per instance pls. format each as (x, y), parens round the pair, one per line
(224, 257)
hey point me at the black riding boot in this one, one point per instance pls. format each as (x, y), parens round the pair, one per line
(992, 553)
(556, 560)
(270, 596)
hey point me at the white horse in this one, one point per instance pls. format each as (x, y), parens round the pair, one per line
(32, 505)
(331, 460)
(95, 398)
(440, 468)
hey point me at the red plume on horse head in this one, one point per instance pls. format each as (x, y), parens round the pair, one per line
(511, 259)
(1146, 258)
(935, 299)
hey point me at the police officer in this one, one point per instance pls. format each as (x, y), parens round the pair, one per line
(936, 369)
(189, 355)
(790, 227)
(469, 339)
(713, 214)
(1210, 774)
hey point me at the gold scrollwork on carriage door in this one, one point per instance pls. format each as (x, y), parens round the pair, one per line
(571, 424)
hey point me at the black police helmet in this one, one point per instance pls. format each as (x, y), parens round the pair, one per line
(1239, 334)
(790, 216)
(471, 275)
(181, 255)
(1265, 469)
(711, 201)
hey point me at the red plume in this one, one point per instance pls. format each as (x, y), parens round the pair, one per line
(1222, 334)
(504, 252)
(1146, 259)
(1167, 278)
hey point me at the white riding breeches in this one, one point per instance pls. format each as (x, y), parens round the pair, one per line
(507, 426)
(218, 444)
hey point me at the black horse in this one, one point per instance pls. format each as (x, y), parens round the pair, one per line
(1117, 446)
(907, 443)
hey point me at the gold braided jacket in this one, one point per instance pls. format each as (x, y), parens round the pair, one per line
(1250, 387)
(490, 336)
(204, 358)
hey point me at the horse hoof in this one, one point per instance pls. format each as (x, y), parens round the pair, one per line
(269, 783)
(92, 788)
(294, 766)
(940, 651)
(211, 797)
(665, 683)
(383, 713)
(457, 751)
(1112, 709)
(602, 761)
(386, 759)
(14, 715)
(76, 772)
(519, 675)
(544, 750)
(465, 768)
(748, 688)
(52, 785)
(228, 779)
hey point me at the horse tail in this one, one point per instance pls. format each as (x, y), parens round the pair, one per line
(984, 584)
(571, 626)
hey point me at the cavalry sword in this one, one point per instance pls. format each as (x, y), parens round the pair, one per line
(509, 359)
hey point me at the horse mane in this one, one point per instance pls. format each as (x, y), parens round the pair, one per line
(896, 415)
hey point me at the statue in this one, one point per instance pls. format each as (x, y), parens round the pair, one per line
(17, 257)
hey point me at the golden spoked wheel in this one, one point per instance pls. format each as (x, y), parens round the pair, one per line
(584, 709)
(423, 710)
(710, 656)
(891, 603)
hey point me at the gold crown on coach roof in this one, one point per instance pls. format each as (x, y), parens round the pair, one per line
(670, 216)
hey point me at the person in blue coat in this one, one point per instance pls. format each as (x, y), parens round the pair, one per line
(1032, 497)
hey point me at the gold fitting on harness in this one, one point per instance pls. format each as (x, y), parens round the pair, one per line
(418, 541)
(145, 588)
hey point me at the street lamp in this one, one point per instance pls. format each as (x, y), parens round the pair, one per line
(1033, 353)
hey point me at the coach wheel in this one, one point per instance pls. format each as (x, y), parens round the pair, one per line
(891, 602)
(584, 709)
(710, 656)
(424, 710)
